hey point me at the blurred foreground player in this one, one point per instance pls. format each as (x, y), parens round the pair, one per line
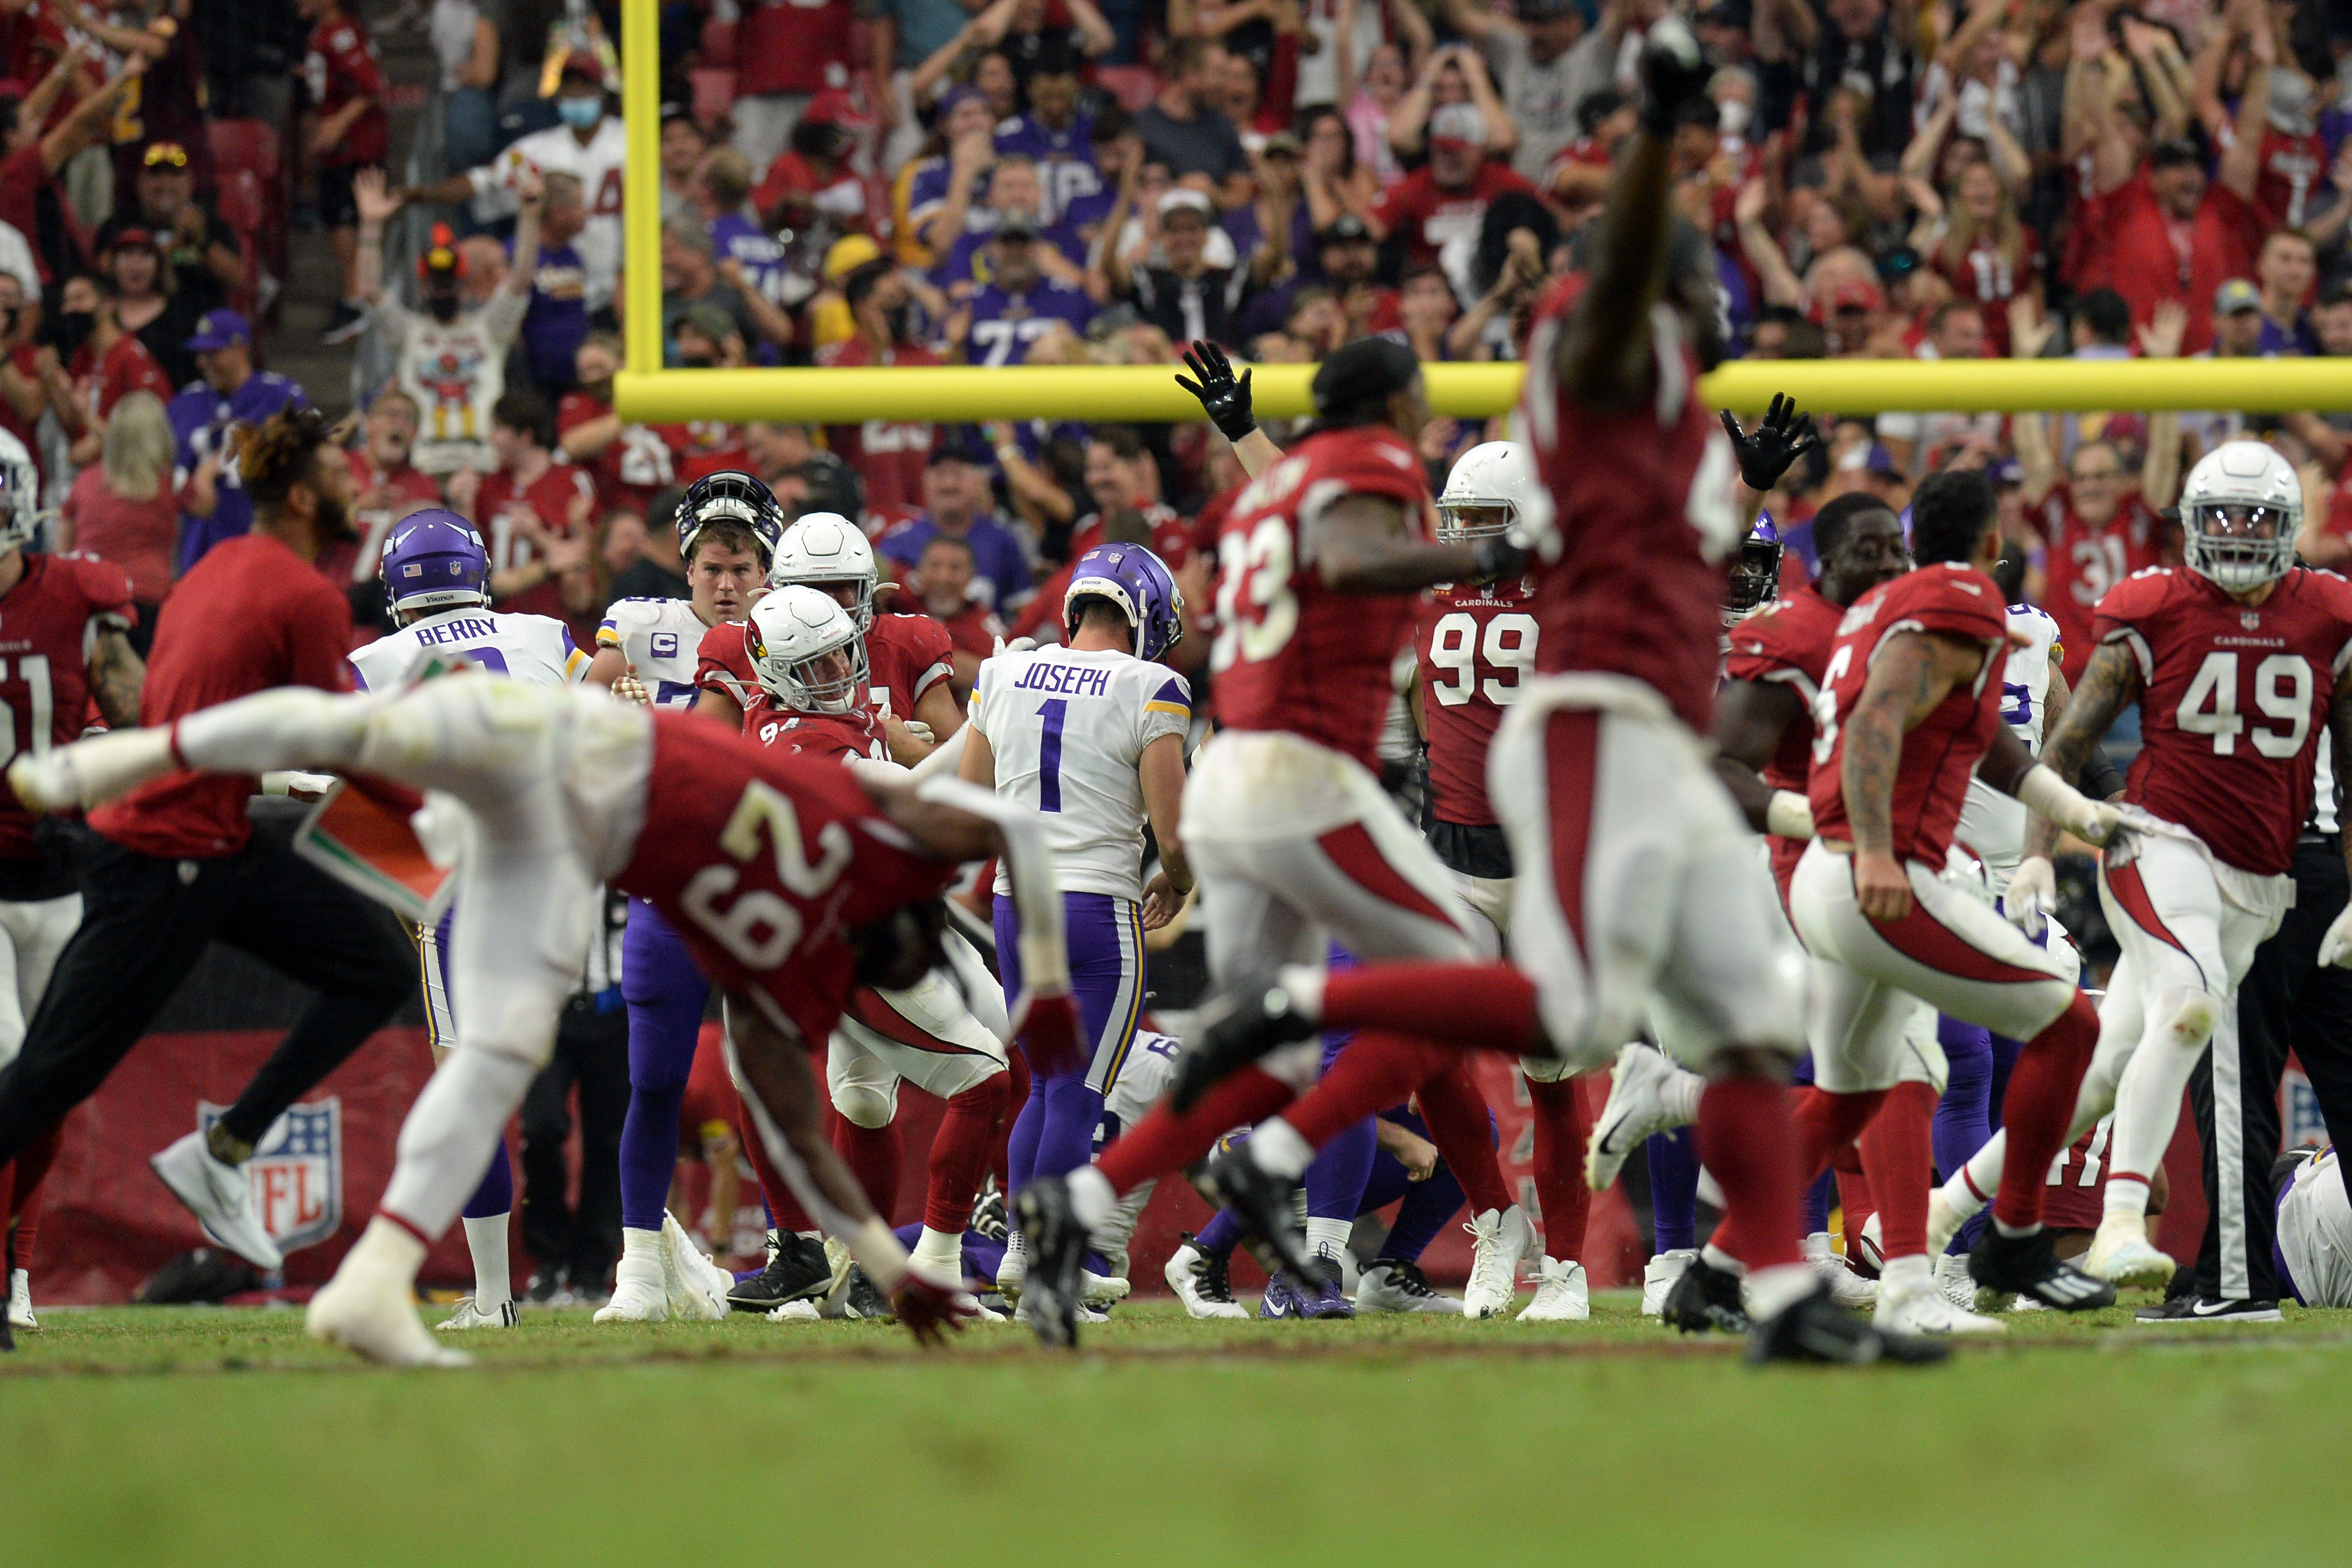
(790, 880)
(179, 864)
(1629, 854)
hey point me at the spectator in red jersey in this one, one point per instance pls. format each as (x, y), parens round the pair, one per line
(1577, 177)
(390, 485)
(2288, 270)
(1958, 330)
(534, 514)
(122, 508)
(23, 394)
(1122, 477)
(786, 52)
(106, 363)
(349, 131)
(2170, 234)
(1977, 243)
(170, 103)
(942, 583)
(1446, 199)
(630, 463)
(889, 455)
(30, 202)
(813, 175)
(2246, 56)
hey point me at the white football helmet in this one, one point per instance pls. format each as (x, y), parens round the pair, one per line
(825, 549)
(1492, 489)
(795, 630)
(20, 496)
(2239, 513)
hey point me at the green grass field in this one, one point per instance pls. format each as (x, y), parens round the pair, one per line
(225, 1437)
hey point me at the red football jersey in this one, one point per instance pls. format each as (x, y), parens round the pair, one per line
(1475, 648)
(127, 367)
(635, 464)
(2076, 1198)
(1989, 281)
(831, 737)
(2234, 699)
(906, 655)
(341, 66)
(766, 864)
(2083, 562)
(793, 46)
(1932, 778)
(1172, 538)
(498, 509)
(406, 490)
(1644, 517)
(2291, 169)
(45, 623)
(1788, 642)
(889, 455)
(1292, 655)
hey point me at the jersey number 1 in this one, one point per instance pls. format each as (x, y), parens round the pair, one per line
(1049, 753)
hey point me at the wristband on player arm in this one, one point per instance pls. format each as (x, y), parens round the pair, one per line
(1788, 815)
(2042, 791)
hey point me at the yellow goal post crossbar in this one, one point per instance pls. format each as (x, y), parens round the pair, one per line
(646, 393)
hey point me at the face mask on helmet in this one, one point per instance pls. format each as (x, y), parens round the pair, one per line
(1755, 577)
(1485, 494)
(2239, 546)
(20, 520)
(806, 652)
(733, 497)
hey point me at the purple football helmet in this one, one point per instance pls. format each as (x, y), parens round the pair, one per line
(729, 496)
(1755, 577)
(1139, 583)
(435, 560)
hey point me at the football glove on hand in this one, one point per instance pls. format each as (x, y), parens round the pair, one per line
(1226, 399)
(2336, 947)
(2032, 894)
(1674, 72)
(1780, 438)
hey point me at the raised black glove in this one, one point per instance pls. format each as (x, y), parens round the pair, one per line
(1226, 399)
(1673, 72)
(1498, 558)
(1780, 438)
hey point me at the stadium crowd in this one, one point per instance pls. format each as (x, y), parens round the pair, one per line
(1061, 182)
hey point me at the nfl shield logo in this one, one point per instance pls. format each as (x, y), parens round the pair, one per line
(2250, 619)
(297, 1172)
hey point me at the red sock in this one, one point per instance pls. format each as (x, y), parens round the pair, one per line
(1373, 1072)
(1016, 1095)
(20, 1189)
(783, 1208)
(1743, 1139)
(2040, 1107)
(1560, 1130)
(1855, 1204)
(1471, 1005)
(1162, 1141)
(1464, 1131)
(1826, 1123)
(973, 1124)
(1898, 1155)
(874, 1155)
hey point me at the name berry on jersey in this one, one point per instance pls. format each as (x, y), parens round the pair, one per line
(535, 648)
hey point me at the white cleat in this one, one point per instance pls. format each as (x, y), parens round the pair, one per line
(1102, 1289)
(1847, 1288)
(220, 1198)
(20, 1300)
(640, 1292)
(1953, 1279)
(370, 1310)
(1202, 1284)
(1014, 1270)
(1502, 1238)
(1634, 1110)
(795, 1311)
(90, 772)
(2120, 1252)
(1920, 1307)
(1943, 1222)
(1393, 1287)
(1659, 1276)
(469, 1315)
(1561, 1296)
(696, 1286)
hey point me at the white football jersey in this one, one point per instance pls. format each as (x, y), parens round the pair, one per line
(2314, 1231)
(537, 649)
(1150, 1068)
(601, 168)
(1992, 824)
(661, 638)
(1069, 730)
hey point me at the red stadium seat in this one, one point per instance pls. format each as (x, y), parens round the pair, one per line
(714, 93)
(1133, 86)
(248, 144)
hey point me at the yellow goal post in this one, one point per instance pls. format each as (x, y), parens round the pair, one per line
(646, 393)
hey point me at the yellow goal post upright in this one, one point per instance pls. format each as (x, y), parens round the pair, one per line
(646, 393)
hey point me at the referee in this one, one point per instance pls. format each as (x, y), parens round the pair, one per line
(178, 863)
(2288, 1003)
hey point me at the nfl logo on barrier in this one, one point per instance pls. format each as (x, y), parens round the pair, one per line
(297, 1172)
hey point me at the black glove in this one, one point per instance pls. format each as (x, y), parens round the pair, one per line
(1226, 399)
(1497, 558)
(1780, 437)
(1674, 72)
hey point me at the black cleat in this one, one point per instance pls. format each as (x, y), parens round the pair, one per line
(797, 1270)
(1235, 1029)
(1705, 1301)
(2028, 1266)
(1052, 1292)
(2195, 1309)
(1264, 1202)
(1814, 1329)
(860, 1298)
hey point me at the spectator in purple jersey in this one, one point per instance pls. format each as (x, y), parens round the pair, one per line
(1014, 196)
(1118, 154)
(557, 322)
(1054, 135)
(1018, 304)
(964, 121)
(747, 255)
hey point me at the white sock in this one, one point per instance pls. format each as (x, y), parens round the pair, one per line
(1817, 1244)
(1715, 1257)
(1680, 1097)
(385, 1251)
(1277, 1148)
(451, 1130)
(2126, 1197)
(1912, 1270)
(485, 1238)
(1982, 1173)
(2147, 1098)
(640, 1255)
(1328, 1235)
(1304, 982)
(939, 1254)
(1091, 1199)
(1769, 1292)
(1709, 1191)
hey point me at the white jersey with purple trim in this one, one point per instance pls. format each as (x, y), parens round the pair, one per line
(2314, 1232)
(538, 649)
(1992, 824)
(661, 638)
(1069, 730)
(1150, 1067)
